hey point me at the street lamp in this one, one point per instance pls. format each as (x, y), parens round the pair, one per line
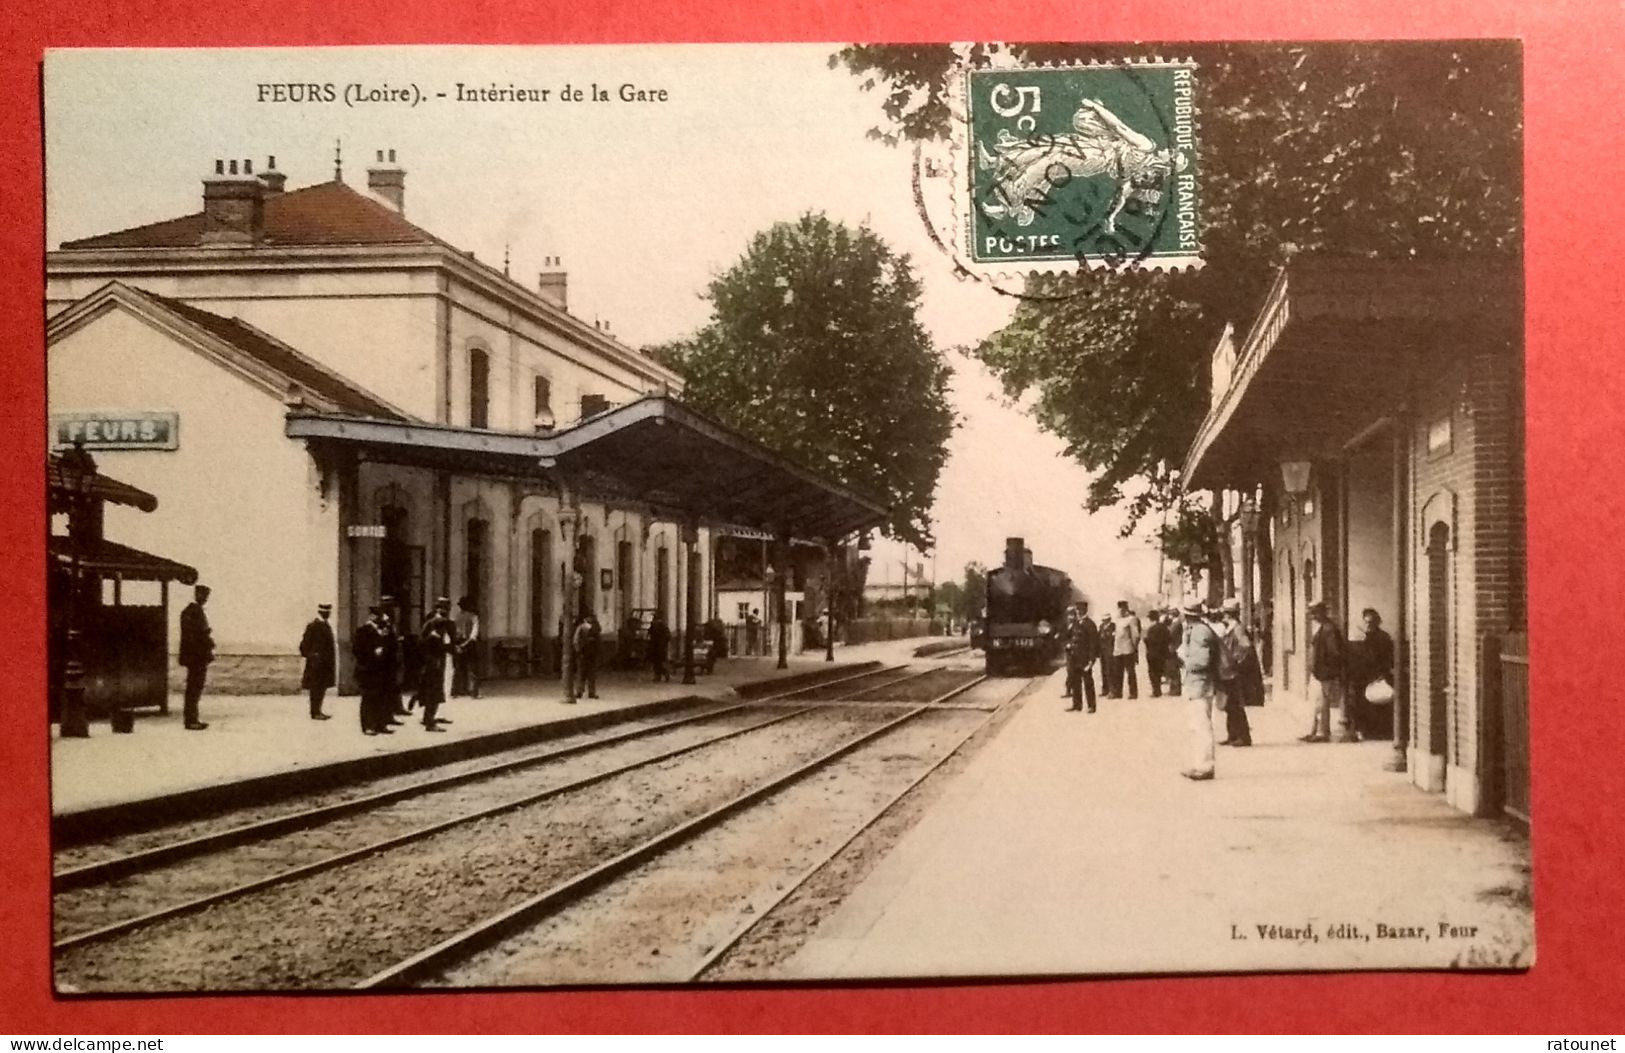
(829, 602)
(569, 531)
(1249, 541)
(77, 470)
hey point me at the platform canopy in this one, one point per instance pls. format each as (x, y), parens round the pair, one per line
(1339, 346)
(109, 559)
(100, 488)
(652, 452)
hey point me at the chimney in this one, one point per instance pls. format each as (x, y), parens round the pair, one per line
(1015, 553)
(234, 204)
(388, 180)
(554, 283)
(274, 181)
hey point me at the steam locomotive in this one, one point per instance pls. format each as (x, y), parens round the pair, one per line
(1026, 613)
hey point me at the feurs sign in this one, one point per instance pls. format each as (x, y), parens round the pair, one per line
(119, 430)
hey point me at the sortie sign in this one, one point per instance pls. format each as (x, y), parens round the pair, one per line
(117, 430)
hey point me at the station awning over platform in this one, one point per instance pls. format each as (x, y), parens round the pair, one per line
(1339, 346)
(109, 559)
(102, 488)
(653, 452)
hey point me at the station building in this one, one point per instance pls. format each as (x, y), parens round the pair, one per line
(1374, 412)
(334, 405)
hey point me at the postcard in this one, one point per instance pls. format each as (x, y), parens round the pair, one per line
(673, 514)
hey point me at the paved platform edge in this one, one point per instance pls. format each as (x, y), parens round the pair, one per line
(75, 827)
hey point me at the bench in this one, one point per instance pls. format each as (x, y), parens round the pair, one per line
(510, 657)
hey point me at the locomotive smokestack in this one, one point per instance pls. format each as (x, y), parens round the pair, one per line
(1015, 553)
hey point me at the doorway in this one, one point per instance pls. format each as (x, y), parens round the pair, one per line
(1438, 621)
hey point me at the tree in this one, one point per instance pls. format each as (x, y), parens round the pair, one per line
(815, 348)
(1395, 150)
(975, 590)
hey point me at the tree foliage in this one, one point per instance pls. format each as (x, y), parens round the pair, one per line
(1388, 150)
(814, 348)
(975, 589)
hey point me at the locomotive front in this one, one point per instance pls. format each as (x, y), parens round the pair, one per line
(1026, 607)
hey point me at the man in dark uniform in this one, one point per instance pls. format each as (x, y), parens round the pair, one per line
(320, 652)
(586, 647)
(372, 673)
(393, 706)
(439, 638)
(1082, 648)
(196, 652)
(660, 647)
(1157, 642)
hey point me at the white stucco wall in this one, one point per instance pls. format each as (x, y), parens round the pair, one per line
(237, 500)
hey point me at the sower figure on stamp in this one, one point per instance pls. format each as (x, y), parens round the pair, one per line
(438, 636)
(1235, 649)
(1199, 654)
(371, 672)
(196, 652)
(319, 649)
(1082, 648)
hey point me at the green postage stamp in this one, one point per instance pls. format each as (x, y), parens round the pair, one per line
(1082, 166)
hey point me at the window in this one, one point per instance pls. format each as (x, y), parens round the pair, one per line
(592, 405)
(479, 388)
(744, 611)
(475, 560)
(544, 403)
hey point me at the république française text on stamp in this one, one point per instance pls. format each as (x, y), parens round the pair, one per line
(1081, 166)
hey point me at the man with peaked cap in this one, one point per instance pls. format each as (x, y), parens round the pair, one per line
(439, 638)
(320, 652)
(374, 671)
(1082, 648)
(196, 652)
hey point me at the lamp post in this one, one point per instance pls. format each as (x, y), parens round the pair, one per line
(780, 551)
(569, 532)
(1249, 535)
(78, 472)
(829, 602)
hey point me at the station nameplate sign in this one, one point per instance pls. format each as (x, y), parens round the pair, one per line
(117, 430)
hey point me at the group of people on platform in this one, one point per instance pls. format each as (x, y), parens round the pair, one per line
(1208, 657)
(389, 692)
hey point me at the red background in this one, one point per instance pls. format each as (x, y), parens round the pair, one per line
(1576, 506)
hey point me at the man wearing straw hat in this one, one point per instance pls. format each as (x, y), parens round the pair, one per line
(1199, 653)
(320, 652)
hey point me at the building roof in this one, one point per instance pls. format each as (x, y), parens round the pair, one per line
(1337, 347)
(653, 452)
(324, 214)
(335, 215)
(294, 375)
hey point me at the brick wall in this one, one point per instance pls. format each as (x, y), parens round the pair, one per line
(1483, 470)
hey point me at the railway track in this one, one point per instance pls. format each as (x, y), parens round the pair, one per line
(264, 849)
(435, 961)
(113, 876)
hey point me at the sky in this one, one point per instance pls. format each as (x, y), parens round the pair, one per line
(645, 201)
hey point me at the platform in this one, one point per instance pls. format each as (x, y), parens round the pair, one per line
(1071, 844)
(254, 737)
